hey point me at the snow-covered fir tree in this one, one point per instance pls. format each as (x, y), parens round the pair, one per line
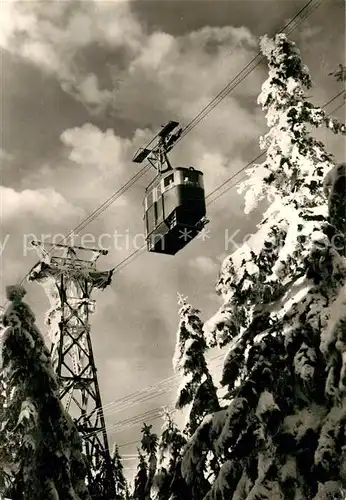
(283, 435)
(197, 390)
(42, 459)
(197, 393)
(5, 461)
(335, 189)
(147, 464)
(118, 474)
(149, 447)
(168, 481)
(141, 478)
(127, 495)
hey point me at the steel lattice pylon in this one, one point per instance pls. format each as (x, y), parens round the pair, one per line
(71, 280)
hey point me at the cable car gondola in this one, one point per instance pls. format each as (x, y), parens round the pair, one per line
(174, 203)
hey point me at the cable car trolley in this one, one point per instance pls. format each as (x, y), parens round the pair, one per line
(174, 203)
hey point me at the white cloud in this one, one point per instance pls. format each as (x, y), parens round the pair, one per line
(5, 156)
(50, 34)
(204, 264)
(65, 28)
(102, 164)
(43, 204)
(307, 33)
(102, 150)
(153, 56)
(90, 93)
(183, 74)
(176, 75)
(116, 25)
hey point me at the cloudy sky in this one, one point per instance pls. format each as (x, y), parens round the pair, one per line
(83, 85)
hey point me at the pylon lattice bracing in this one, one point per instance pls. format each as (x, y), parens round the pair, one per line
(69, 281)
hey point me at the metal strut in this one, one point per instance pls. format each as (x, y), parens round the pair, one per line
(73, 279)
(157, 155)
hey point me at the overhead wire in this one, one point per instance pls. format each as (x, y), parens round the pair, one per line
(212, 366)
(337, 108)
(132, 397)
(121, 425)
(229, 179)
(129, 444)
(149, 388)
(155, 413)
(131, 422)
(112, 410)
(148, 392)
(334, 98)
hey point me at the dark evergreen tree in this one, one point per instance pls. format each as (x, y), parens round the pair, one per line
(335, 191)
(168, 482)
(147, 464)
(41, 452)
(5, 462)
(149, 446)
(118, 474)
(127, 495)
(141, 478)
(283, 435)
(197, 389)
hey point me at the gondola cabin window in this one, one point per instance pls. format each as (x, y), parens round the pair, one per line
(159, 203)
(149, 200)
(150, 212)
(191, 177)
(168, 181)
